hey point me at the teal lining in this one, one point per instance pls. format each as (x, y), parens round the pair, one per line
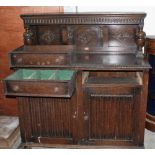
(26, 74)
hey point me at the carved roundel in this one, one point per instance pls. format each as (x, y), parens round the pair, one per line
(48, 37)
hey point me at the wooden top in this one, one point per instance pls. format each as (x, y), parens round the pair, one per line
(84, 13)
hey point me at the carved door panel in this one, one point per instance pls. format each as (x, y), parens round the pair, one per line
(46, 120)
(110, 117)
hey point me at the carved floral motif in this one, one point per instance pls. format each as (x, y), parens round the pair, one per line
(121, 36)
(87, 36)
(48, 36)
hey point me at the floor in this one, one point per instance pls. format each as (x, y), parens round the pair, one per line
(149, 139)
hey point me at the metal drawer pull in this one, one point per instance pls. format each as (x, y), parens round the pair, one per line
(16, 88)
(19, 60)
(56, 89)
(87, 57)
(48, 62)
(59, 59)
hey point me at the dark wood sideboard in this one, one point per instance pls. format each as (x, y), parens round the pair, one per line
(81, 79)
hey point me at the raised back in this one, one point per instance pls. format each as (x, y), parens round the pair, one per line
(106, 32)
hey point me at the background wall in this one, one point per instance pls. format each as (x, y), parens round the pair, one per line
(11, 31)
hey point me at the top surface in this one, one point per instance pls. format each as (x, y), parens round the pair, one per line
(88, 13)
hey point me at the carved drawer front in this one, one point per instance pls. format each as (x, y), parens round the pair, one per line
(48, 83)
(39, 59)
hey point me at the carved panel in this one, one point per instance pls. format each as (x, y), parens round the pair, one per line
(122, 35)
(112, 110)
(88, 36)
(49, 35)
(111, 114)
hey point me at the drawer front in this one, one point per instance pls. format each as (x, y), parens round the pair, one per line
(46, 83)
(116, 91)
(39, 59)
(38, 88)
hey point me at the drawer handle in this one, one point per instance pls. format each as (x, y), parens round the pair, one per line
(48, 62)
(59, 59)
(56, 89)
(87, 57)
(15, 88)
(38, 63)
(19, 60)
(43, 63)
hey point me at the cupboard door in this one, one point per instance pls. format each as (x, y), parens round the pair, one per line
(110, 115)
(46, 120)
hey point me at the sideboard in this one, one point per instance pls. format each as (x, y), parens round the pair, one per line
(81, 79)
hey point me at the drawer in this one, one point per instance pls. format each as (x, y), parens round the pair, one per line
(48, 83)
(23, 59)
(111, 86)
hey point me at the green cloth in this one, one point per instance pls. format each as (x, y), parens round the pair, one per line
(27, 74)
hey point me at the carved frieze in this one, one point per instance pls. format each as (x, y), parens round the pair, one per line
(85, 19)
